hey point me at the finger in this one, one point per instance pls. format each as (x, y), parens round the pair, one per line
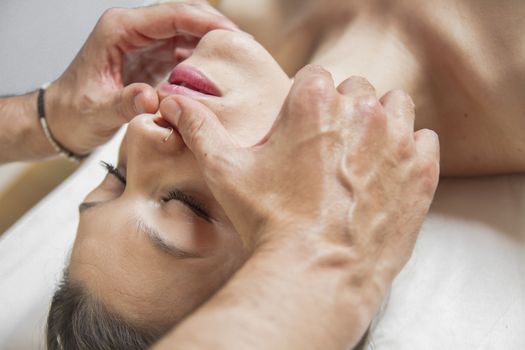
(427, 148)
(356, 86)
(311, 72)
(199, 127)
(312, 91)
(133, 100)
(400, 109)
(427, 144)
(312, 86)
(182, 54)
(144, 25)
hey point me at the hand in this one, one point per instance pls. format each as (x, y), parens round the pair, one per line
(92, 99)
(340, 170)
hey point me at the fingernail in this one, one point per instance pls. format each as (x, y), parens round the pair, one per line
(139, 105)
(172, 109)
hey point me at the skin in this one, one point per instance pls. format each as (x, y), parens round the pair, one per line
(158, 288)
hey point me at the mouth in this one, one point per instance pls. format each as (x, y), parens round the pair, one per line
(186, 80)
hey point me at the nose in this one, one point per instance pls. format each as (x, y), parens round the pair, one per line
(151, 135)
(150, 141)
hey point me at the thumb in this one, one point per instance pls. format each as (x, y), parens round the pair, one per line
(199, 127)
(135, 99)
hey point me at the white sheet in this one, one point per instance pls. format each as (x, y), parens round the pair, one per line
(33, 251)
(464, 287)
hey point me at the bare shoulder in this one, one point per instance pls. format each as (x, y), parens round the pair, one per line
(470, 58)
(474, 58)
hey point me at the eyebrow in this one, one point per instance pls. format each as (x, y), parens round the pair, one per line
(151, 234)
(155, 238)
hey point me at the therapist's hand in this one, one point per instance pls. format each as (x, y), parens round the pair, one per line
(342, 172)
(92, 99)
(335, 157)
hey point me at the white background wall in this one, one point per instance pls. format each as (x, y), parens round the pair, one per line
(39, 38)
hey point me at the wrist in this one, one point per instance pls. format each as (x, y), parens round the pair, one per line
(58, 117)
(342, 289)
(21, 135)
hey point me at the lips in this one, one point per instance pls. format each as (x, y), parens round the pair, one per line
(187, 80)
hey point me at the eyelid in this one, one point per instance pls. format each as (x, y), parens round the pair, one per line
(198, 208)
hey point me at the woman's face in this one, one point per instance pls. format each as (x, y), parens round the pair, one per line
(156, 247)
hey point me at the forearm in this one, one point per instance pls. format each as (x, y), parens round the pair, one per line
(294, 295)
(21, 134)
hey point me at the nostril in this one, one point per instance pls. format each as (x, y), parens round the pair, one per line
(163, 123)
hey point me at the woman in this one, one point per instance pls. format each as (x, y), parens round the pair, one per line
(156, 206)
(147, 254)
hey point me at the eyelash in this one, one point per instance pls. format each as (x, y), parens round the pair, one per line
(111, 169)
(196, 207)
(177, 195)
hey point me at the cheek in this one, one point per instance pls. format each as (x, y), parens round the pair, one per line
(249, 113)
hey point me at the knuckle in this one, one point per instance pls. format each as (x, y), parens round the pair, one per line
(316, 87)
(366, 104)
(359, 81)
(401, 95)
(314, 79)
(357, 86)
(313, 69)
(312, 95)
(109, 22)
(370, 109)
(112, 14)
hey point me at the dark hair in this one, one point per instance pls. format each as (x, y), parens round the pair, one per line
(77, 321)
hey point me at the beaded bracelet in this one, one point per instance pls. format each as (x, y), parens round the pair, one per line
(59, 148)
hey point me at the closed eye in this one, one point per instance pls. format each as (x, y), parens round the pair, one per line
(197, 207)
(193, 204)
